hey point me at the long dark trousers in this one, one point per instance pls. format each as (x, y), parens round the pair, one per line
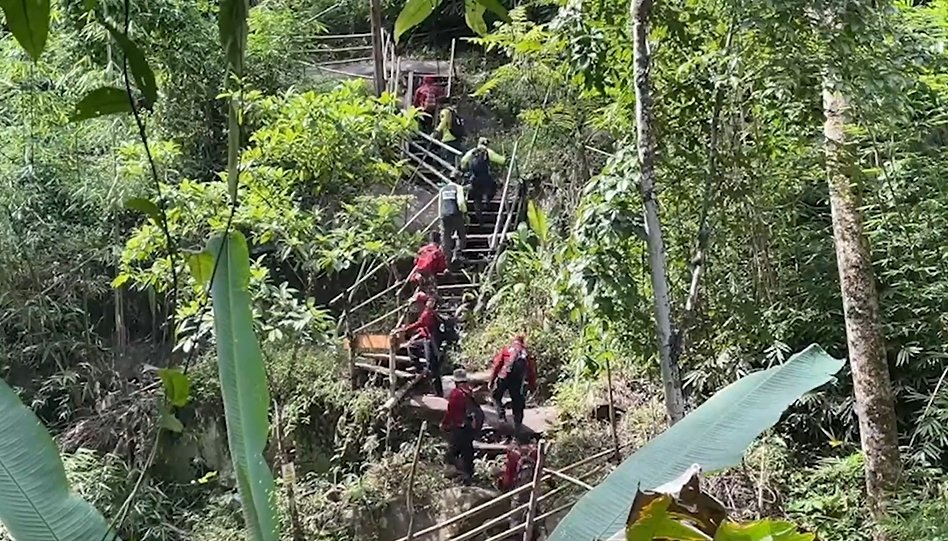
(461, 451)
(483, 190)
(427, 350)
(449, 226)
(514, 387)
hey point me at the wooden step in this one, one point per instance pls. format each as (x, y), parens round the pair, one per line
(384, 370)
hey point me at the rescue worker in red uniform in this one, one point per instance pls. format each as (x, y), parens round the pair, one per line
(512, 367)
(429, 263)
(521, 461)
(423, 340)
(462, 421)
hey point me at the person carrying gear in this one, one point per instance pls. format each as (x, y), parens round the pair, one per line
(521, 462)
(511, 368)
(463, 422)
(477, 161)
(453, 204)
(427, 98)
(424, 341)
(450, 131)
(429, 263)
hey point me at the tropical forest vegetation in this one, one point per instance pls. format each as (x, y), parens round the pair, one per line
(726, 248)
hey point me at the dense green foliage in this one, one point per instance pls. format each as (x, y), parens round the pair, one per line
(103, 226)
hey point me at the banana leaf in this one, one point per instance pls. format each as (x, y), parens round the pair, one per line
(243, 379)
(715, 436)
(35, 501)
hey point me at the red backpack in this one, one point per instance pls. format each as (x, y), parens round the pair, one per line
(431, 260)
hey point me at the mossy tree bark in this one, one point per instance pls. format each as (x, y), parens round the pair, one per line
(866, 344)
(671, 377)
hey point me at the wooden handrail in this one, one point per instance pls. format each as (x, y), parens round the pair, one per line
(429, 167)
(391, 258)
(343, 36)
(336, 50)
(437, 158)
(343, 61)
(486, 505)
(439, 143)
(503, 195)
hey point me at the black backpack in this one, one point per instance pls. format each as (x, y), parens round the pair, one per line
(446, 331)
(457, 125)
(518, 366)
(480, 163)
(474, 416)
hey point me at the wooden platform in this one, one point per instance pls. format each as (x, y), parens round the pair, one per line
(537, 420)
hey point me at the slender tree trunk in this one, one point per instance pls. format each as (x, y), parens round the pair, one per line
(674, 401)
(375, 18)
(867, 356)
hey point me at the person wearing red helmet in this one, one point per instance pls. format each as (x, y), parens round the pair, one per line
(511, 368)
(423, 339)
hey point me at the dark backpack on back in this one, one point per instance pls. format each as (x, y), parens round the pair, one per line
(457, 125)
(446, 331)
(518, 366)
(474, 416)
(480, 163)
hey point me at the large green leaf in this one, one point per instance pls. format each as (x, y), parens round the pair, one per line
(29, 22)
(137, 64)
(35, 501)
(413, 14)
(102, 101)
(715, 435)
(474, 16)
(495, 7)
(232, 26)
(243, 384)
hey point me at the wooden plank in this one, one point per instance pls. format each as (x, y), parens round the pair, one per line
(383, 370)
(370, 342)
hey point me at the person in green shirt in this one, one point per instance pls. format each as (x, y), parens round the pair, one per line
(452, 203)
(478, 161)
(450, 131)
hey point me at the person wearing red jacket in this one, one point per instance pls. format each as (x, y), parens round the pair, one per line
(429, 263)
(427, 98)
(521, 461)
(462, 421)
(422, 341)
(511, 368)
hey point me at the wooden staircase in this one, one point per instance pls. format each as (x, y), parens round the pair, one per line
(374, 357)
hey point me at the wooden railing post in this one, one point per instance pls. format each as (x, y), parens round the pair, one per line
(535, 493)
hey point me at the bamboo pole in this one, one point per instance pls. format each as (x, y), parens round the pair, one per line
(569, 479)
(520, 527)
(454, 42)
(431, 139)
(503, 196)
(486, 505)
(343, 36)
(439, 159)
(345, 61)
(537, 488)
(411, 480)
(497, 520)
(340, 72)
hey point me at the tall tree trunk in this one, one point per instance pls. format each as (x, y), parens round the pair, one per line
(867, 356)
(674, 401)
